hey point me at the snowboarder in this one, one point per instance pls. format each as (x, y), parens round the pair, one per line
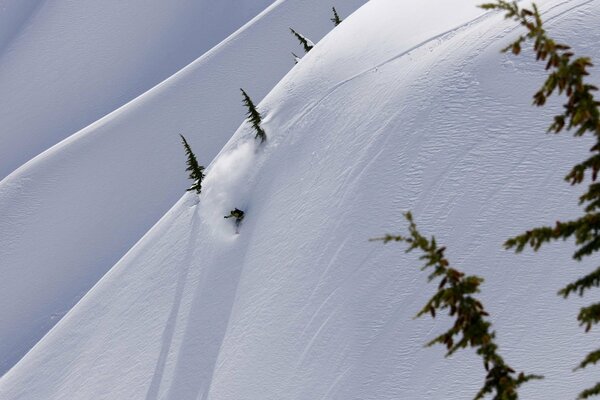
(238, 215)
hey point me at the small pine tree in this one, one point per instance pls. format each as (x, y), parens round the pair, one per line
(296, 58)
(305, 42)
(196, 170)
(254, 117)
(336, 18)
(471, 327)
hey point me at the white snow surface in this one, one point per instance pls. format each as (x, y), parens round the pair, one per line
(72, 212)
(404, 106)
(65, 64)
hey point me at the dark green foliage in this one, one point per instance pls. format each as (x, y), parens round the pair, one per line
(306, 43)
(593, 391)
(196, 170)
(254, 117)
(336, 18)
(582, 115)
(471, 327)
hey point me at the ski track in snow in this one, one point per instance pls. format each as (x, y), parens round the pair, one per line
(439, 38)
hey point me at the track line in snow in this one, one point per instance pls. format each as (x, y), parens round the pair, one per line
(336, 382)
(440, 37)
(169, 331)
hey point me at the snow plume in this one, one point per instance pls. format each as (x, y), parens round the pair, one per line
(226, 186)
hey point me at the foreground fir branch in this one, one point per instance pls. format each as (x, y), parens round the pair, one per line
(254, 117)
(471, 327)
(336, 18)
(196, 170)
(581, 114)
(305, 42)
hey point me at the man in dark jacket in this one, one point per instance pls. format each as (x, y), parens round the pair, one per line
(238, 215)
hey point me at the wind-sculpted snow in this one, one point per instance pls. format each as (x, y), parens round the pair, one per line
(402, 107)
(72, 212)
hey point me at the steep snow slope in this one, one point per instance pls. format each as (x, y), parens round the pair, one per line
(71, 213)
(64, 64)
(398, 108)
(13, 14)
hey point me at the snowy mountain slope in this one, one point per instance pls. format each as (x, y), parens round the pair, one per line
(64, 64)
(376, 120)
(72, 212)
(13, 15)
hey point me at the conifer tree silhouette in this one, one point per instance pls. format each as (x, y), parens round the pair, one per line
(471, 327)
(305, 42)
(582, 115)
(196, 170)
(254, 117)
(336, 18)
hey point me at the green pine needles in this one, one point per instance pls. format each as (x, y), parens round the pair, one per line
(582, 115)
(254, 117)
(196, 170)
(336, 18)
(471, 327)
(306, 43)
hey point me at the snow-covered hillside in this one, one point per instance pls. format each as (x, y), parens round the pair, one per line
(72, 212)
(65, 64)
(405, 106)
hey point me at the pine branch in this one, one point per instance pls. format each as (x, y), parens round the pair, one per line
(589, 316)
(336, 18)
(254, 117)
(593, 391)
(196, 170)
(589, 281)
(471, 327)
(567, 75)
(306, 43)
(591, 358)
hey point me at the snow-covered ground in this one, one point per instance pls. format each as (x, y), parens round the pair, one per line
(72, 212)
(404, 106)
(65, 64)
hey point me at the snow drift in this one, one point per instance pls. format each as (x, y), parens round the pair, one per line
(402, 107)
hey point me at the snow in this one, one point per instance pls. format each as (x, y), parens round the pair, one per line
(65, 64)
(72, 212)
(404, 106)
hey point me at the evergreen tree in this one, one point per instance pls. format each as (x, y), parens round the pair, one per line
(254, 117)
(582, 115)
(336, 18)
(471, 327)
(296, 58)
(306, 43)
(196, 170)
